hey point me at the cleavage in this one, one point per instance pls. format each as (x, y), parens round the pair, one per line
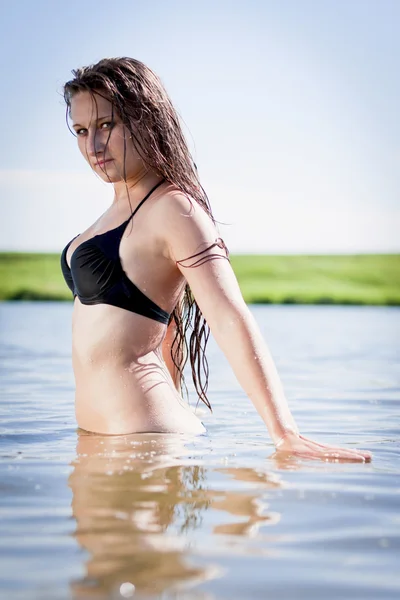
(92, 238)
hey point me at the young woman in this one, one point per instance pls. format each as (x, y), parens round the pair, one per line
(153, 266)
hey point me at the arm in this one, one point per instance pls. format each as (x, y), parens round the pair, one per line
(188, 230)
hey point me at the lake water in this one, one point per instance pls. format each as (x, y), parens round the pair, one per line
(215, 516)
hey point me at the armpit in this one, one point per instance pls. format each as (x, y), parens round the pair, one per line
(201, 257)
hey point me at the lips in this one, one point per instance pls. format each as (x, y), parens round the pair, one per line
(102, 162)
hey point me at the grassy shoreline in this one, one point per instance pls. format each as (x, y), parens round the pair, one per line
(369, 279)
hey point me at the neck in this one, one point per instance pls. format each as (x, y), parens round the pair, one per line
(135, 187)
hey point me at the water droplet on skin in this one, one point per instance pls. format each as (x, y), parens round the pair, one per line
(127, 590)
(121, 515)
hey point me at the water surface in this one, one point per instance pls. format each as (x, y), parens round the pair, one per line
(213, 516)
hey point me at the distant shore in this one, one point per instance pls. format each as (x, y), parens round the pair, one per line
(370, 279)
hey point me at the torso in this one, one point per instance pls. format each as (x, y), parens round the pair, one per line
(122, 383)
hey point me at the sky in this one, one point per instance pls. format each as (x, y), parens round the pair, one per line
(290, 109)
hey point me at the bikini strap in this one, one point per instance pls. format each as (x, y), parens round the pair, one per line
(145, 198)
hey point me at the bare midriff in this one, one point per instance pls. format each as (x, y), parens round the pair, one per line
(122, 382)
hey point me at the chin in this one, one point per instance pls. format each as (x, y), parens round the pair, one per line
(109, 177)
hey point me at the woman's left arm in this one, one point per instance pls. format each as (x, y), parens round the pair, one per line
(190, 238)
(166, 353)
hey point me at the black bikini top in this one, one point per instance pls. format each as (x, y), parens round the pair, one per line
(96, 275)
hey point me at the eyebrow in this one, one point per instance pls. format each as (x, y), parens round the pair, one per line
(99, 119)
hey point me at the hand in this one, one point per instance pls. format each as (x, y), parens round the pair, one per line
(294, 444)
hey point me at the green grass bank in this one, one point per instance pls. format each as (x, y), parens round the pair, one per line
(299, 279)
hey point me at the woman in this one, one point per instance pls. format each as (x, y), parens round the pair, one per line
(153, 266)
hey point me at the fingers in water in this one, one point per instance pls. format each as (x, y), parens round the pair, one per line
(311, 454)
(329, 448)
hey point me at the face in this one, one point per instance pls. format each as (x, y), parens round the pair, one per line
(100, 135)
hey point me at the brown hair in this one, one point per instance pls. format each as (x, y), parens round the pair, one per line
(146, 110)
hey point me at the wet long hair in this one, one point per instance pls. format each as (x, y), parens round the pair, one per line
(144, 107)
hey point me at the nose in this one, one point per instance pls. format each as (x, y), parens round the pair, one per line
(95, 145)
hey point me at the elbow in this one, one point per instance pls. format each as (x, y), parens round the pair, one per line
(231, 317)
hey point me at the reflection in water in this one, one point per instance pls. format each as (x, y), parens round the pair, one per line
(245, 505)
(136, 504)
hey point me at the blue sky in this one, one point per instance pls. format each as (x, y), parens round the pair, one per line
(290, 109)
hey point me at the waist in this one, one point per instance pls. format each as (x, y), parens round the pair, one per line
(122, 382)
(104, 335)
(117, 363)
(119, 399)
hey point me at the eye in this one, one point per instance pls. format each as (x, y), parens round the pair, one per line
(101, 127)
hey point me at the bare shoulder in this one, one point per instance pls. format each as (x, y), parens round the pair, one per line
(176, 207)
(193, 245)
(183, 224)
